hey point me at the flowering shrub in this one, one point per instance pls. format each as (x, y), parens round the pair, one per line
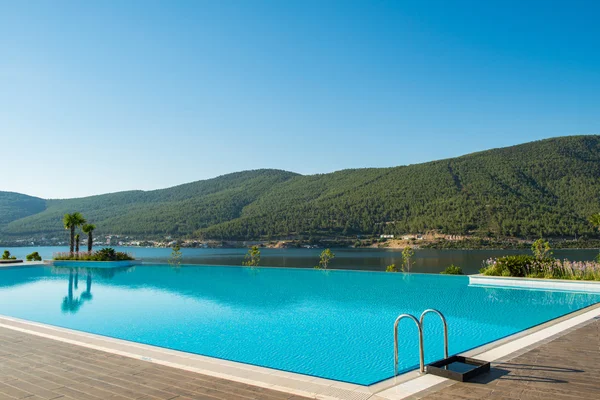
(106, 254)
(549, 268)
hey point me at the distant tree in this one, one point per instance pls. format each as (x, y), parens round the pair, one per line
(6, 256)
(77, 239)
(252, 258)
(35, 256)
(176, 256)
(407, 258)
(326, 257)
(71, 222)
(541, 249)
(89, 229)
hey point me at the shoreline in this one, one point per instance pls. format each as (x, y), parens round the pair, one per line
(266, 246)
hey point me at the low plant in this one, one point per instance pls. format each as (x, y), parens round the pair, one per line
(35, 256)
(6, 256)
(452, 270)
(391, 268)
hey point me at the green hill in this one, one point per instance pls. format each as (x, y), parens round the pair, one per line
(178, 210)
(543, 188)
(14, 206)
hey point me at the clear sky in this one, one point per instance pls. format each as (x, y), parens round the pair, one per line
(102, 96)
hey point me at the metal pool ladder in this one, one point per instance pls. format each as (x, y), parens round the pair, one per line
(419, 324)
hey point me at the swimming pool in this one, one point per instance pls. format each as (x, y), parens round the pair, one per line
(330, 324)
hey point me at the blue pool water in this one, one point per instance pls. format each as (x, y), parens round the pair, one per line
(331, 324)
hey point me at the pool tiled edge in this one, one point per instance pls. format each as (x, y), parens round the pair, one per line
(400, 387)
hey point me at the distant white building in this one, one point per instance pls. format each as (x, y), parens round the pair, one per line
(386, 236)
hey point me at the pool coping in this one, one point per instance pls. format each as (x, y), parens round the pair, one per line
(569, 285)
(22, 264)
(399, 387)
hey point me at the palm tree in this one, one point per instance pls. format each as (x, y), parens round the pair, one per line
(89, 228)
(72, 221)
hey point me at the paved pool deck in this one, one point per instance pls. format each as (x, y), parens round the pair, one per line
(563, 366)
(566, 366)
(33, 367)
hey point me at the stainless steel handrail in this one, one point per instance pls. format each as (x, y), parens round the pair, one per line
(421, 355)
(431, 310)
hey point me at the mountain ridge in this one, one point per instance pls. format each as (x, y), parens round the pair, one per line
(542, 188)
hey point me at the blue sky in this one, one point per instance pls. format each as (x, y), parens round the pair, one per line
(102, 96)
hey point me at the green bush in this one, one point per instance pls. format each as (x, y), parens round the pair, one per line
(518, 265)
(452, 270)
(391, 268)
(35, 256)
(6, 256)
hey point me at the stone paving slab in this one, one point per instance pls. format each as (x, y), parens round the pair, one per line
(33, 367)
(566, 367)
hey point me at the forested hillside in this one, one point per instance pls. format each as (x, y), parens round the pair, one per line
(178, 210)
(14, 206)
(544, 188)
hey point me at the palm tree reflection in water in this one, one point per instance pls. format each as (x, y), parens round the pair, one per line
(72, 304)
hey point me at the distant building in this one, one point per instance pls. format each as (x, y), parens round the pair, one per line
(386, 236)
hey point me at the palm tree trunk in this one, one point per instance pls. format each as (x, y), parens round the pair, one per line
(77, 246)
(90, 241)
(72, 244)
